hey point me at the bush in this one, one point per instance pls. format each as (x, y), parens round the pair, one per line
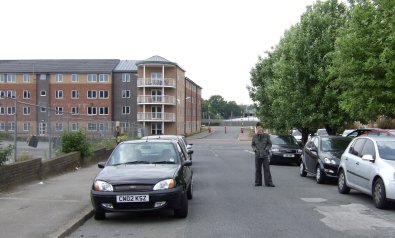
(76, 141)
(4, 153)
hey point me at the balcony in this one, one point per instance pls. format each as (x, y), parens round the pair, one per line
(155, 83)
(156, 117)
(156, 99)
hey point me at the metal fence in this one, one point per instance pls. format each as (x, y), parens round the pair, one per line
(35, 131)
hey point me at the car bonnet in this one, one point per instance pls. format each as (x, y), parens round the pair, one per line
(141, 173)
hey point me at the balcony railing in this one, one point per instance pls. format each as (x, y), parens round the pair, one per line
(156, 99)
(156, 116)
(154, 82)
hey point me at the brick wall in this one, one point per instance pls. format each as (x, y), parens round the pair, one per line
(15, 174)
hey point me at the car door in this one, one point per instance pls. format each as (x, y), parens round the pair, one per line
(352, 160)
(311, 155)
(365, 168)
(187, 172)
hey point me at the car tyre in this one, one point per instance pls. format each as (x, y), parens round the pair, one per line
(302, 169)
(190, 190)
(319, 176)
(182, 212)
(100, 215)
(342, 183)
(379, 197)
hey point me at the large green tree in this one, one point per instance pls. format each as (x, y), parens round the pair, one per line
(364, 60)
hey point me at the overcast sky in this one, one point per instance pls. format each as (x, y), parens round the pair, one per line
(216, 42)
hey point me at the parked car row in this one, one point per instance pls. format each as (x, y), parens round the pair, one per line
(363, 160)
(142, 175)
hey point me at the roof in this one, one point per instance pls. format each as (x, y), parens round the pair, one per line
(126, 65)
(157, 60)
(58, 66)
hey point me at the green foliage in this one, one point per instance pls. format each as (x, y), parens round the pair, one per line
(4, 153)
(76, 141)
(216, 107)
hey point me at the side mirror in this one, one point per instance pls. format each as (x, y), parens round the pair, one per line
(187, 163)
(368, 158)
(190, 152)
(101, 165)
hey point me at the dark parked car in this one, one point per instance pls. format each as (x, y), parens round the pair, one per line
(285, 149)
(144, 175)
(321, 156)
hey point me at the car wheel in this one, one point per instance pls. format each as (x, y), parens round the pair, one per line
(182, 212)
(100, 215)
(342, 184)
(190, 190)
(379, 197)
(302, 169)
(319, 176)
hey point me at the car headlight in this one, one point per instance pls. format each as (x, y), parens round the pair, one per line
(164, 184)
(275, 150)
(300, 151)
(102, 186)
(329, 161)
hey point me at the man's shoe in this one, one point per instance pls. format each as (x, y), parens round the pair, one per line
(258, 184)
(270, 185)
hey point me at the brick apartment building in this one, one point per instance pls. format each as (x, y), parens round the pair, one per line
(51, 96)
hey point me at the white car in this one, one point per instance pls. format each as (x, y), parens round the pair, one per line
(368, 165)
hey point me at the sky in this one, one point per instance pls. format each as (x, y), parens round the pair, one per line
(217, 42)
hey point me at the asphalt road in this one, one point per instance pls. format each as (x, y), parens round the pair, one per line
(226, 203)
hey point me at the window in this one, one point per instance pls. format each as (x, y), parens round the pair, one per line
(43, 77)
(124, 125)
(103, 110)
(74, 78)
(126, 110)
(26, 94)
(26, 126)
(103, 94)
(11, 78)
(156, 75)
(59, 126)
(59, 110)
(26, 110)
(59, 78)
(11, 126)
(43, 109)
(59, 94)
(125, 78)
(75, 126)
(92, 94)
(26, 78)
(103, 78)
(125, 93)
(156, 129)
(2, 78)
(92, 126)
(11, 110)
(2, 126)
(368, 149)
(2, 94)
(43, 93)
(92, 110)
(75, 110)
(356, 148)
(2, 110)
(75, 94)
(11, 94)
(92, 78)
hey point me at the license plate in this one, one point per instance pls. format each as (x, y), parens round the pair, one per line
(289, 155)
(132, 198)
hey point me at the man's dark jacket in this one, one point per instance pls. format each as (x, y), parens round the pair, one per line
(261, 145)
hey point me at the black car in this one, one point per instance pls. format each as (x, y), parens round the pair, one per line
(142, 176)
(321, 156)
(285, 149)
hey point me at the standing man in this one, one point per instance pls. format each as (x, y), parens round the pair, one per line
(261, 145)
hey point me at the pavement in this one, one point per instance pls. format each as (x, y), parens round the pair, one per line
(55, 207)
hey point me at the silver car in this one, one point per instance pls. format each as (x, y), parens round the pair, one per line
(368, 165)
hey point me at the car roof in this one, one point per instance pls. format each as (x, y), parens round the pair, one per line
(162, 137)
(380, 138)
(147, 141)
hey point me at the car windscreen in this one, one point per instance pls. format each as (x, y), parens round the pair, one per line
(335, 144)
(283, 140)
(143, 153)
(386, 149)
